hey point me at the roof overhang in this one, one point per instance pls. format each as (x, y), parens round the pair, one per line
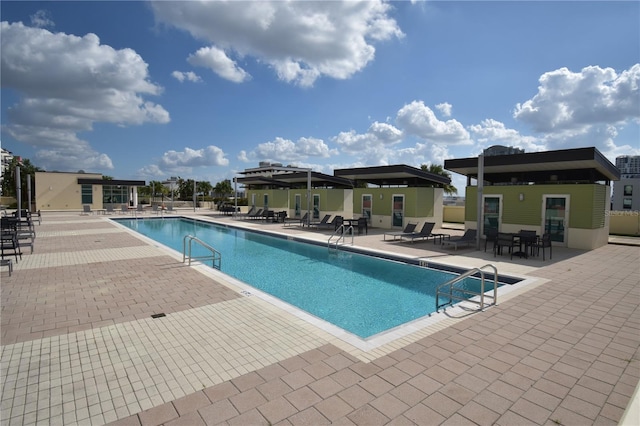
(296, 179)
(114, 182)
(567, 165)
(399, 174)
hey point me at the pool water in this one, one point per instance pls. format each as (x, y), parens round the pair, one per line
(363, 295)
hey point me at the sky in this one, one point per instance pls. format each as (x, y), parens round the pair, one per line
(203, 90)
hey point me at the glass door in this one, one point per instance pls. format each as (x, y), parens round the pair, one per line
(316, 206)
(297, 206)
(398, 211)
(555, 216)
(491, 213)
(367, 201)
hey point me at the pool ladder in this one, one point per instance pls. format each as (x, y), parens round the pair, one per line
(340, 233)
(215, 256)
(447, 289)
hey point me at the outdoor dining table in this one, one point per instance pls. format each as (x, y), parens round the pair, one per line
(526, 239)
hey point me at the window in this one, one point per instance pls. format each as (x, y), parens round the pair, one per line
(87, 194)
(628, 190)
(626, 203)
(112, 194)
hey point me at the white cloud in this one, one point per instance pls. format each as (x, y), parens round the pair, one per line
(286, 151)
(42, 19)
(586, 108)
(492, 132)
(568, 100)
(66, 84)
(205, 157)
(218, 61)
(445, 108)
(378, 136)
(300, 40)
(188, 76)
(418, 119)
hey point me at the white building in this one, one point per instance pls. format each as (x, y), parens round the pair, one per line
(626, 192)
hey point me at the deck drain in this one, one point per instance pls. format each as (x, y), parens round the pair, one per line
(158, 315)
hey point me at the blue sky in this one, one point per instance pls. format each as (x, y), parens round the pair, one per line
(202, 90)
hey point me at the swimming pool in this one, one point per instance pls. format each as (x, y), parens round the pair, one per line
(363, 295)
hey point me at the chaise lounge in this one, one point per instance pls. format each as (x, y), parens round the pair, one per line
(469, 237)
(408, 230)
(425, 232)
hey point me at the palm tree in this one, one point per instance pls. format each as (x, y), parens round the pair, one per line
(437, 169)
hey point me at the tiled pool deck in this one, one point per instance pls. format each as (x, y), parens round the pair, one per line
(79, 345)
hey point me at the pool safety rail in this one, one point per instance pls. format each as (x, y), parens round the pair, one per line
(451, 292)
(215, 257)
(340, 234)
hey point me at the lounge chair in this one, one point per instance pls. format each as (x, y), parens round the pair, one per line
(334, 224)
(409, 229)
(255, 215)
(296, 220)
(425, 232)
(469, 237)
(251, 211)
(324, 220)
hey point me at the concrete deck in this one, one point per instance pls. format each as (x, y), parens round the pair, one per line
(79, 345)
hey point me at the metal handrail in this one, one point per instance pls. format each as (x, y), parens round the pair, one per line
(342, 230)
(468, 293)
(215, 257)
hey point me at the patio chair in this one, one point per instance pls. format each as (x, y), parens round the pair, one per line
(490, 236)
(155, 209)
(140, 208)
(505, 240)
(469, 237)
(542, 243)
(9, 245)
(363, 225)
(324, 220)
(409, 229)
(124, 209)
(425, 232)
(109, 209)
(86, 209)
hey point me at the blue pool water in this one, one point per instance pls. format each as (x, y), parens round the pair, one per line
(364, 295)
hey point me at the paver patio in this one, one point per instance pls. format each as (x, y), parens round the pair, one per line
(79, 345)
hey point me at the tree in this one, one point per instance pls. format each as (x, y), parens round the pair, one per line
(223, 189)
(9, 177)
(439, 170)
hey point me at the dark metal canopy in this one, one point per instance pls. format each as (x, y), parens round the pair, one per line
(94, 181)
(560, 166)
(296, 179)
(399, 174)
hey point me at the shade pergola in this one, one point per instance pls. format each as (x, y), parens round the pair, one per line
(567, 165)
(394, 175)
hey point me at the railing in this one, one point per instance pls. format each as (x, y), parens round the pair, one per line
(340, 233)
(215, 256)
(454, 293)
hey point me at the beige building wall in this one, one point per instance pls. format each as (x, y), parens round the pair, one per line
(60, 191)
